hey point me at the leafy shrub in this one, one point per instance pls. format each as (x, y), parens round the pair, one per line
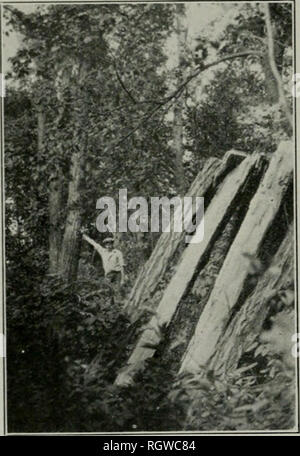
(254, 397)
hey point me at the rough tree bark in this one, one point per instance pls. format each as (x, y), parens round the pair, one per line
(229, 284)
(71, 242)
(185, 271)
(69, 256)
(56, 182)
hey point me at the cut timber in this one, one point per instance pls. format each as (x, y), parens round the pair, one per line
(214, 216)
(248, 322)
(152, 272)
(229, 284)
(193, 302)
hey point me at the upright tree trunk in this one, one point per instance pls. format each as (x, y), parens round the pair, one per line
(70, 249)
(40, 128)
(181, 33)
(178, 146)
(55, 198)
(55, 213)
(71, 242)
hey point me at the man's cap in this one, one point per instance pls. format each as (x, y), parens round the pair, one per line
(108, 240)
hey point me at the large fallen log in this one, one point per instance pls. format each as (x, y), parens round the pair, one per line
(214, 216)
(229, 284)
(151, 274)
(242, 331)
(192, 304)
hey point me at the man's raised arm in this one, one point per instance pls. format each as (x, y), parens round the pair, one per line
(92, 242)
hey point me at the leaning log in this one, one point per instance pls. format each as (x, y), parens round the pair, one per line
(152, 272)
(248, 321)
(214, 216)
(229, 284)
(192, 304)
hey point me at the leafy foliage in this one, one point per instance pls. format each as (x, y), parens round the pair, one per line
(258, 395)
(94, 80)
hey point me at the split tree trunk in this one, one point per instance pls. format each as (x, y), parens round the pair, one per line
(248, 322)
(229, 284)
(190, 259)
(150, 276)
(188, 312)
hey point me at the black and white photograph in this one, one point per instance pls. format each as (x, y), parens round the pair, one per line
(149, 218)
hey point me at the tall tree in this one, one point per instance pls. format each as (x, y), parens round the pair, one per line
(178, 110)
(82, 89)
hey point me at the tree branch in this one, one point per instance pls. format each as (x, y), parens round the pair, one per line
(122, 83)
(209, 65)
(277, 77)
(180, 89)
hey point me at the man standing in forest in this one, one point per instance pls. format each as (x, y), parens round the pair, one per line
(113, 263)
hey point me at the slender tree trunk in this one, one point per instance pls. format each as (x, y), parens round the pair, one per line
(70, 249)
(55, 213)
(55, 206)
(181, 34)
(55, 198)
(40, 128)
(276, 85)
(71, 242)
(178, 145)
